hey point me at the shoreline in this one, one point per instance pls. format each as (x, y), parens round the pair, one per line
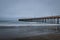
(29, 24)
(51, 36)
(48, 36)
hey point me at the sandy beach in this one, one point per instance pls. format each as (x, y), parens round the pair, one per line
(53, 36)
(42, 37)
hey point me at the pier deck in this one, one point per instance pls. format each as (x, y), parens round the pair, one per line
(56, 19)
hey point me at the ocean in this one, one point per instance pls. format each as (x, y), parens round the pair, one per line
(22, 31)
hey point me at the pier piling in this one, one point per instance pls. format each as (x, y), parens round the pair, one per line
(43, 19)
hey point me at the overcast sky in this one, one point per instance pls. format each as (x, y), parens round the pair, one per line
(28, 8)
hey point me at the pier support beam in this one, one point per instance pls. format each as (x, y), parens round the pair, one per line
(45, 20)
(57, 20)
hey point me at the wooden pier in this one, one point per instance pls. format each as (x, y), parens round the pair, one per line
(54, 19)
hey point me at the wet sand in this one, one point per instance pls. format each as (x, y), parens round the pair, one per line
(53, 36)
(41, 37)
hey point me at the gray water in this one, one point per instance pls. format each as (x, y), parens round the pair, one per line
(19, 31)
